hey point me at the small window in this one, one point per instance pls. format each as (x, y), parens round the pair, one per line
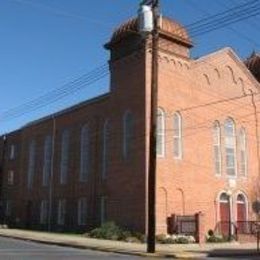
(61, 212)
(105, 151)
(177, 136)
(47, 160)
(84, 154)
(44, 212)
(103, 202)
(64, 163)
(12, 152)
(82, 211)
(10, 179)
(8, 208)
(31, 164)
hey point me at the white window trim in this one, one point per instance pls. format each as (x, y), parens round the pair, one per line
(162, 155)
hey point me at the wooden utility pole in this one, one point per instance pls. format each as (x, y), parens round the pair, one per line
(153, 130)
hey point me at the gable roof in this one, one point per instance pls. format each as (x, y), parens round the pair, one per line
(231, 53)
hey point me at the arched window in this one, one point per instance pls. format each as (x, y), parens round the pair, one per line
(230, 147)
(31, 164)
(84, 153)
(160, 144)
(105, 149)
(242, 152)
(128, 132)
(64, 162)
(177, 136)
(224, 198)
(217, 147)
(47, 160)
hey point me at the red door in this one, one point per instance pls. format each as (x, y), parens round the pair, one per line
(224, 217)
(241, 214)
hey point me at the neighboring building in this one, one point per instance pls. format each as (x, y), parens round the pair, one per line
(89, 163)
(253, 64)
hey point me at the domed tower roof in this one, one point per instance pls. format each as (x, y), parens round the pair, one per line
(253, 64)
(167, 27)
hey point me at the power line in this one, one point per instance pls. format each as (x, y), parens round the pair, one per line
(239, 33)
(66, 90)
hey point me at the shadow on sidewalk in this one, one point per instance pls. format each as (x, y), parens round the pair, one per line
(234, 253)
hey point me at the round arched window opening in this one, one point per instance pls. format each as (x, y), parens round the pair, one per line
(224, 198)
(241, 199)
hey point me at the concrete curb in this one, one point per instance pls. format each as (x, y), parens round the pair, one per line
(178, 255)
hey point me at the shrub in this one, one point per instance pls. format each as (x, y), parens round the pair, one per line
(111, 231)
(175, 239)
(182, 240)
(141, 237)
(216, 239)
(108, 230)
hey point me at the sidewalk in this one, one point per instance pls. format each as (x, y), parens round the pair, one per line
(176, 251)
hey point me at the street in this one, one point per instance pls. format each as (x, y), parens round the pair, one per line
(11, 249)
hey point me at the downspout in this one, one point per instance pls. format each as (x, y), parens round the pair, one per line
(52, 172)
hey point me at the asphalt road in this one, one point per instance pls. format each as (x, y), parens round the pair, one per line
(11, 249)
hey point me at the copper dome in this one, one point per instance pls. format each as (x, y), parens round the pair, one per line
(253, 64)
(168, 27)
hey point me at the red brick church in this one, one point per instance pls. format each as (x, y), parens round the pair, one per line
(88, 164)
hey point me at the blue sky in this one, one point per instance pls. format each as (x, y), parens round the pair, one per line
(47, 43)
